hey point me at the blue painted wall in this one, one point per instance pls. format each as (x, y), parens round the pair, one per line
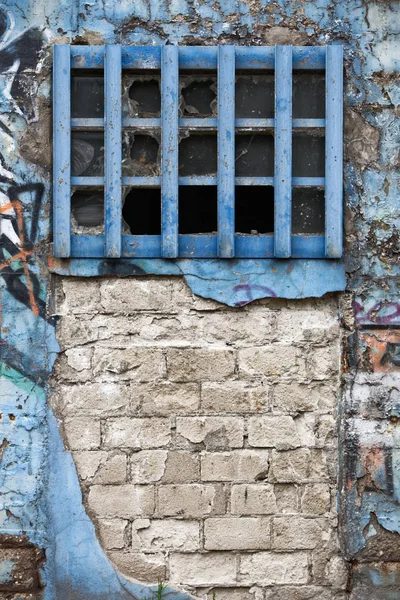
(40, 503)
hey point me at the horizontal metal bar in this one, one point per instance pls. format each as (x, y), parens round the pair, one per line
(197, 57)
(206, 123)
(197, 246)
(197, 180)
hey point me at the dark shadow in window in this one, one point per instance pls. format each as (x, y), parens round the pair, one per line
(197, 208)
(254, 209)
(198, 155)
(142, 211)
(308, 210)
(87, 208)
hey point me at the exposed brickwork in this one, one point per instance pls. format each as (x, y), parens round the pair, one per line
(204, 436)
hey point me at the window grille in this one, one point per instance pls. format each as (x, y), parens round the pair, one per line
(272, 175)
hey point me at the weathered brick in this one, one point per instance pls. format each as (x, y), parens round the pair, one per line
(237, 533)
(182, 467)
(133, 363)
(121, 501)
(324, 363)
(268, 568)
(20, 569)
(277, 432)
(165, 398)
(78, 296)
(239, 328)
(315, 499)
(306, 592)
(214, 433)
(128, 296)
(234, 397)
(299, 533)
(286, 496)
(166, 534)
(253, 499)
(199, 364)
(82, 434)
(148, 568)
(238, 465)
(76, 330)
(147, 466)
(97, 399)
(277, 360)
(190, 501)
(298, 465)
(101, 467)
(296, 397)
(203, 569)
(315, 326)
(236, 593)
(79, 358)
(137, 433)
(112, 533)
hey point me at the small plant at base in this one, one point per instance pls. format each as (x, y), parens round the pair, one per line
(158, 594)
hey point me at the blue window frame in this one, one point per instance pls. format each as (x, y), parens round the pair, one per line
(226, 61)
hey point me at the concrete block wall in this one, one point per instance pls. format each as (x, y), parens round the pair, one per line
(204, 437)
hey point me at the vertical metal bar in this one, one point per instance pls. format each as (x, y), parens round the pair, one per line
(334, 152)
(226, 151)
(169, 156)
(283, 151)
(62, 151)
(113, 153)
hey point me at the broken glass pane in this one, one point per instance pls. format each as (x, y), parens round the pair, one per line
(87, 153)
(87, 208)
(140, 153)
(308, 155)
(87, 97)
(142, 211)
(254, 155)
(308, 95)
(254, 209)
(198, 97)
(254, 97)
(197, 209)
(308, 210)
(198, 155)
(141, 96)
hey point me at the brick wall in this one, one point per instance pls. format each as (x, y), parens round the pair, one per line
(204, 436)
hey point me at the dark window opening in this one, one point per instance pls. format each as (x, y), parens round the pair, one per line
(87, 153)
(87, 97)
(87, 208)
(142, 211)
(254, 97)
(145, 98)
(254, 209)
(140, 155)
(308, 210)
(197, 209)
(308, 95)
(254, 155)
(308, 155)
(199, 98)
(198, 155)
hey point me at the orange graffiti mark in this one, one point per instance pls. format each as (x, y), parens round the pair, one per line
(379, 343)
(6, 207)
(22, 255)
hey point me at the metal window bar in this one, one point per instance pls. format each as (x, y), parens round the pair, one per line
(224, 60)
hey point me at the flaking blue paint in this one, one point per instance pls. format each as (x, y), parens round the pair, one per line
(29, 344)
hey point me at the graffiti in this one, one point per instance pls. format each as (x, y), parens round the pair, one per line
(249, 292)
(381, 313)
(16, 246)
(382, 349)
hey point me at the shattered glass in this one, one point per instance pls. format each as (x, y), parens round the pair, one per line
(308, 155)
(198, 96)
(198, 155)
(254, 155)
(87, 153)
(140, 154)
(87, 97)
(87, 211)
(308, 210)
